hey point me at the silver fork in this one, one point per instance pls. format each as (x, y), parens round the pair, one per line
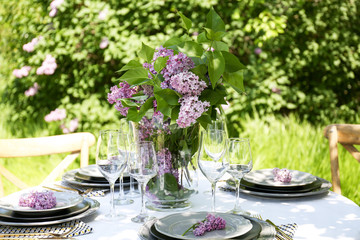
(258, 216)
(81, 192)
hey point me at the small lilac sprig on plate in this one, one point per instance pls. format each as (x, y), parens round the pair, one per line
(282, 175)
(210, 223)
(38, 200)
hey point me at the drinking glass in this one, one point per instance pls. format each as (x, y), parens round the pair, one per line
(128, 128)
(111, 162)
(240, 163)
(212, 161)
(124, 149)
(143, 166)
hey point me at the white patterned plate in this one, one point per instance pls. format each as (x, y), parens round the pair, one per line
(176, 224)
(265, 177)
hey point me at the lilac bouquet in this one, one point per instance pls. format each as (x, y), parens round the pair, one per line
(38, 200)
(178, 87)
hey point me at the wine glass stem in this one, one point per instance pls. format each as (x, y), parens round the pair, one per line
(237, 205)
(112, 212)
(143, 209)
(121, 190)
(213, 188)
(131, 184)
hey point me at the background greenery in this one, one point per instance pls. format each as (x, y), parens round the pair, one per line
(302, 58)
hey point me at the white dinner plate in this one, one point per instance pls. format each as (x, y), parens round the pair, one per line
(71, 178)
(265, 177)
(176, 224)
(94, 205)
(323, 189)
(63, 200)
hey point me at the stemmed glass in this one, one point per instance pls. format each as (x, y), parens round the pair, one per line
(111, 162)
(212, 161)
(240, 159)
(124, 149)
(143, 166)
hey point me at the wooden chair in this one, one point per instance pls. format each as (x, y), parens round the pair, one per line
(75, 143)
(347, 135)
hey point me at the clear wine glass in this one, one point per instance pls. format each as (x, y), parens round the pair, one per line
(212, 161)
(143, 166)
(240, 160)
(111, 162)
(124, 149)
(129, 128)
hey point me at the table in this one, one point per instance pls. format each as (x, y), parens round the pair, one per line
(332, 216)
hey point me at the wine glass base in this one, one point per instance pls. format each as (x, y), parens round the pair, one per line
(134, 194)
(240, 212)
(113, 217)
(142, 218)
(123, 201)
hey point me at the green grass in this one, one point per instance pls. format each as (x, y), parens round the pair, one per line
(283, 143)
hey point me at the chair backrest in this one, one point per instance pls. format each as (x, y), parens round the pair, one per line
(74, 143)
(347, 135)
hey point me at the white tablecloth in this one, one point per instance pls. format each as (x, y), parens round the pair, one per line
(319, 217)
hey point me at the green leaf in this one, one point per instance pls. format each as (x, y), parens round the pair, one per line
(235, 80)
(186, 21)
(214, 36)
(146, 52)
(212, 96)
(146, 106)
(133, 115)
(201, 38)
(169, 95)
(216, 67)
(135, 76)
(175, 114)
(160, 63)
(128, 103)
(131, 65)
(170, 182)
(163, 106)
(200, 71)
(191, 49)
(220, 46)
(232, 63)
(173, 42)
(214, 21)
(204, 120)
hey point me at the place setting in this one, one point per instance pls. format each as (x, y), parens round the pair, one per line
(38, 212)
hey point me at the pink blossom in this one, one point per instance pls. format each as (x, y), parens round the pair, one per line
(48, 66)
(56, 3)
(22, 72)
(282, 175)
(117, 93)
(56, 115)
(32, 90)
(73, 125)
(103, 14)
(187, 83)
(30, 46)
(104, 43)
(191, 108)
(53, 12)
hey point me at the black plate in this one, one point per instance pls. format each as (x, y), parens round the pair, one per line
(253, 233)
(8, 215)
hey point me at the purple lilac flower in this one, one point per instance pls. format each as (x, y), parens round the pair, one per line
(38, 200)
(164, 161)
(73, 125)
(54, 6)
(209, 224)
(56, 115)
(257, 51)
(191, 109)
(187, 83)
(282, 175)
(48, 66)
(22, 72)
(32, 90)
(30, 46)
(104, 43)
(148, 90)
(116, 93)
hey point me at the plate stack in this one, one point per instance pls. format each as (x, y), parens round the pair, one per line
(174, 225)
(69, 206)
(90, 176)
(262, 183)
